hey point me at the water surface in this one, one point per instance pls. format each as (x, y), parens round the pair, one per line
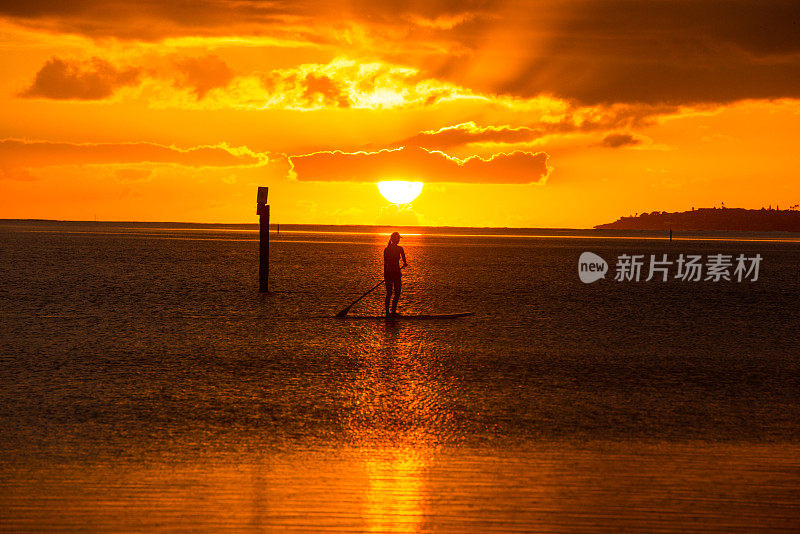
(146, 384)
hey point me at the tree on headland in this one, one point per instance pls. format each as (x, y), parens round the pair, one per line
(720, 219)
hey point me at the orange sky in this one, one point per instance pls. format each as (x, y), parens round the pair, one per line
(533, 114)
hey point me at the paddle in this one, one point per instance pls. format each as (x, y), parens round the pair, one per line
(347, 309)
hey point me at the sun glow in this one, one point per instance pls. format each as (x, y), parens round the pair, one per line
(400, 192)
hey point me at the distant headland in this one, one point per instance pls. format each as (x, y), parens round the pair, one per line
(722, 219)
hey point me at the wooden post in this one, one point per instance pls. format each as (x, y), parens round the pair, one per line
(262, 209)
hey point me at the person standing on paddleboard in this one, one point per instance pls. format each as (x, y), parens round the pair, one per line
(392, 255)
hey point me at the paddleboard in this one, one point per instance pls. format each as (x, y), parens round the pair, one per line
(411, 316)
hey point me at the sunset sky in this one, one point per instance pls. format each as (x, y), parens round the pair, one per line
(526, 114)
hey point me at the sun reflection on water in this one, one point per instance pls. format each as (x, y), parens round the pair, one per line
(398, 421)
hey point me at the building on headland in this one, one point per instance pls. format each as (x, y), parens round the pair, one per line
(721, 219)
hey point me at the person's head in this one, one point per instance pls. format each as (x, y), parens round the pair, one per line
(394, 238)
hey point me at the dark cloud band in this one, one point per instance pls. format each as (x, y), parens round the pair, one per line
(591, 51)
(418, 164)
(16, 153)
(94, 79)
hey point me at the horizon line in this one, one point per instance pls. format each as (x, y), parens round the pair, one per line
(272, 224)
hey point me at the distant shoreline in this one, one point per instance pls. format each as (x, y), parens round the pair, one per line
(712, 219)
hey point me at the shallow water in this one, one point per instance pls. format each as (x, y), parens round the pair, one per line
(146, 384)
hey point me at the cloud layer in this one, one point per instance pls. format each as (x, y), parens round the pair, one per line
(469, 133)
(418, 164)
(15, 153)
(618, 140)
(342, 83)
(93, 79)
(592, 51)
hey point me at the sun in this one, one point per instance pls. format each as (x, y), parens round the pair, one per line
(400, 192)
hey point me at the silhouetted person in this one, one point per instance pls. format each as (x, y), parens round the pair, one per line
(391, 271)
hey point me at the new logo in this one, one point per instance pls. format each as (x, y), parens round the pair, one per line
(591, 267)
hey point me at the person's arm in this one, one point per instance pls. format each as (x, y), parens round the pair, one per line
(403, 255)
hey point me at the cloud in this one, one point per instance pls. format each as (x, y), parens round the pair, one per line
(677, 52)
(15, 153)
(441, 22)
(647, 51)
(203, 73)
(617, 140)
(324, 90)
(464, 136)
(97, 79)
(418, 164)
(347, 83)
(469, 132)
(340, 83)
(315, 22)
(80, 80)
(150, 20)
(207, 82)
